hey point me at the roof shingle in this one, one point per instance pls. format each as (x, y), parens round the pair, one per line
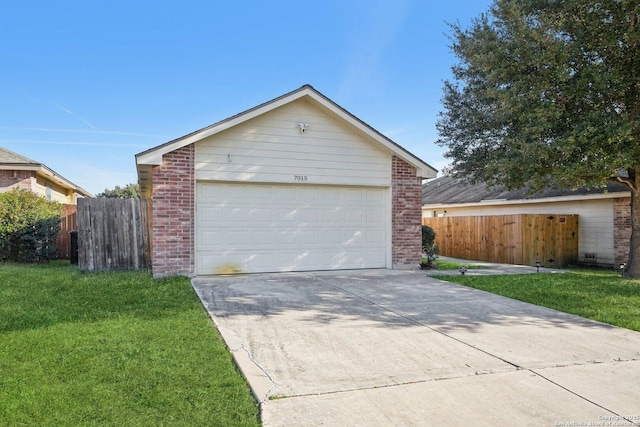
(448, 190)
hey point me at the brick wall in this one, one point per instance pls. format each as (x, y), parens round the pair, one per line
(173, 214)
(406, 215)
(621, 229)
(11, 179)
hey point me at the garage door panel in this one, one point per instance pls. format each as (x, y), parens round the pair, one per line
(374, 237)
(353, 195)
(332, 237)
(311, 194)
(210, 215)
(265, 228)
(375, 215)
(331, 216)
(375, 256)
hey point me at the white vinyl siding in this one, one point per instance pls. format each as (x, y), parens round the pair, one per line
(271, 149)
(595, 231)
(254, 228)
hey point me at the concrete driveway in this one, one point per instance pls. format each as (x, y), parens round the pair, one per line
(382, 347)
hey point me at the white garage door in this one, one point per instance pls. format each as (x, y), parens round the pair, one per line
(256, 228)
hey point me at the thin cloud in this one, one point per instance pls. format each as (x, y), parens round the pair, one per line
(68, 111)
(105, 144)
(106, 132)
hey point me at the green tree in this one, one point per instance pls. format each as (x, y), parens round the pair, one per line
(547, 93)
(429, 247)
(29, 225)
(129, 191)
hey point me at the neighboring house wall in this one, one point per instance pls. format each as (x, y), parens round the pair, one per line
(10, 179)
(28, 180)
(406, 214)
(596, 226)
(53, 192)
(173, 214)
(622, 229)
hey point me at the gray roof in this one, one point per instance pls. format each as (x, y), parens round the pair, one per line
(9, 157)
(447, 190)
(11, 160)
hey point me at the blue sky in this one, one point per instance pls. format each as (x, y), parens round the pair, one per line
(86, 85)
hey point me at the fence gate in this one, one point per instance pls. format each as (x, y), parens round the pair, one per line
(113, 234)
(510, 239)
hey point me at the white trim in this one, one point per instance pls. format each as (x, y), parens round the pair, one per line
(389, 231)
(498, 202)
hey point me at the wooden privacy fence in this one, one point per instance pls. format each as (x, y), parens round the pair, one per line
(113, 234)
(67, 225)
(510, 239)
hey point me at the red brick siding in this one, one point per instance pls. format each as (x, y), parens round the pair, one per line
(173, 214)
(621, 229)
(406, 214)
(11, 179)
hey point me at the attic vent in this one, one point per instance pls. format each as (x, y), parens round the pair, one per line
(590, 256)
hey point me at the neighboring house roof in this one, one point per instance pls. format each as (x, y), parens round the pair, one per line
(153, 157)
(450, 191)
(13, 161)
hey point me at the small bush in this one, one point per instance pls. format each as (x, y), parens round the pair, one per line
(29, 225)
(430, 249)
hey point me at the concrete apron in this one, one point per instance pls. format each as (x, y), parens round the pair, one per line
(383, 347)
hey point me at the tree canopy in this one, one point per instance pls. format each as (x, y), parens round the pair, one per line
(129, 191)
(547, 93)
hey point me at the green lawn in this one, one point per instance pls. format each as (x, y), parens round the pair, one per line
(454, 265)
(601, 295)
(112, 349)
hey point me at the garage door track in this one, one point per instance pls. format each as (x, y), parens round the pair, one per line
(383, 347)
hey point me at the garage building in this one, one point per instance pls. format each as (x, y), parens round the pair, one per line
(294, 184)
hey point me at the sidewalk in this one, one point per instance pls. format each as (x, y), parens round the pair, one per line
(489, 269)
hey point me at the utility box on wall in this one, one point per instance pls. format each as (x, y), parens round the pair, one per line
(511, 239)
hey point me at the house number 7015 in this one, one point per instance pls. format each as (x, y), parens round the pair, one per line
(300, 178)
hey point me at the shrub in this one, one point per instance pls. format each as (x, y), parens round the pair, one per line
(29, 226)
(430, 249)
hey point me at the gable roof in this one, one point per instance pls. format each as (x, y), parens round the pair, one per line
(450, 191)
(9, 157)
(153, 157)
(14, 161)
